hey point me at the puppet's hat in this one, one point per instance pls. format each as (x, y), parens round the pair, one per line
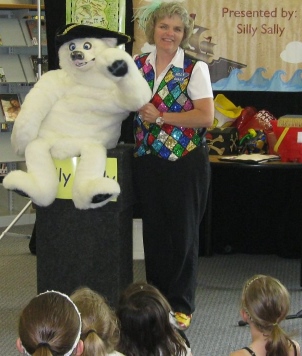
(73, 31)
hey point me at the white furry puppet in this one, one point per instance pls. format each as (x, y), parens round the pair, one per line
(77, 111)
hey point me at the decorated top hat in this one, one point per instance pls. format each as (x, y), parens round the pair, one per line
(73, 31)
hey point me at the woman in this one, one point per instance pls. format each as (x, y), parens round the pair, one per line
(171, 166)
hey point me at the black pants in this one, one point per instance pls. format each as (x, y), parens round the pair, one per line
(172, 197)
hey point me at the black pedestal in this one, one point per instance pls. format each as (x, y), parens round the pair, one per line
(88, 247)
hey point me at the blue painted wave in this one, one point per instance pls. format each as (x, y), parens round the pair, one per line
(259, 83)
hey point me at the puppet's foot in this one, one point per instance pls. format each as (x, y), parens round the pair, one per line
(20, 192)
(26, 185)
(95, 193)
(100, 198)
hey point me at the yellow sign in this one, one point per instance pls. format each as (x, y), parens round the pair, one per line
(66, 171)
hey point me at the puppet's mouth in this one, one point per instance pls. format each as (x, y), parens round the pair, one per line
(81, 63)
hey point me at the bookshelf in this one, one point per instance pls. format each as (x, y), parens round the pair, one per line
(16, 50)
(10, 202)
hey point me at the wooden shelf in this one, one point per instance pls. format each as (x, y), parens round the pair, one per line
(19, 6)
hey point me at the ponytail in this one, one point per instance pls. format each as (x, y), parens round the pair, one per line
(43, 349)
(93, 344)
(278, 342)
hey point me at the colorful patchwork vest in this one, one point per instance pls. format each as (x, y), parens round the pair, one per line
(168, 141)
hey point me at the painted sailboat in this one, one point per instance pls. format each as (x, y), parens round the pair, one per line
(202, 48)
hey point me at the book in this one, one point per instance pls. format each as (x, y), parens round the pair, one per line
(2, 76)
(6, 126)
(44, 64)
(32, 26)
(11, 106)
(3, 169)
(253, 158)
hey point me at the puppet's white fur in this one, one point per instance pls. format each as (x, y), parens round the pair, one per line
(76, 111)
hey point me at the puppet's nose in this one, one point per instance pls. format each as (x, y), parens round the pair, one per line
(76, 55)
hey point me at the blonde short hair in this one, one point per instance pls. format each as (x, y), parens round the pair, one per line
(170, 9)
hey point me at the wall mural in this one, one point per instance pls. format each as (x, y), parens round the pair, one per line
(105, 13)
(248, 45)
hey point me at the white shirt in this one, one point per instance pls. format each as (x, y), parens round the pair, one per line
(199, 86)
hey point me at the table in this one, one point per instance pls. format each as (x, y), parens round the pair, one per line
(254, 209)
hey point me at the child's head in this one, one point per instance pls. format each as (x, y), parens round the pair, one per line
(144, 314)
(265, 303)
(50, 324)
(100, 328)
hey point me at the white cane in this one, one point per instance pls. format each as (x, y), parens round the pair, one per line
(15, 220)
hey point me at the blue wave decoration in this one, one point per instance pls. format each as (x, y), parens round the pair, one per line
(258, 82)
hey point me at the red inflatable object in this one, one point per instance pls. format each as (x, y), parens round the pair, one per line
(290, 150)
(251, 119)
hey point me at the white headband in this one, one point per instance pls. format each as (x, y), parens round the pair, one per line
(80, 329)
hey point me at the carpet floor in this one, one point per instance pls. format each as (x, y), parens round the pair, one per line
(214, 329)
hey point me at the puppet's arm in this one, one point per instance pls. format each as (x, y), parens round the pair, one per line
(132, 91)
(38, 102)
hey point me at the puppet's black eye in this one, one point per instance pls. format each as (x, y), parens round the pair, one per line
(87, 45)
(72, 46)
